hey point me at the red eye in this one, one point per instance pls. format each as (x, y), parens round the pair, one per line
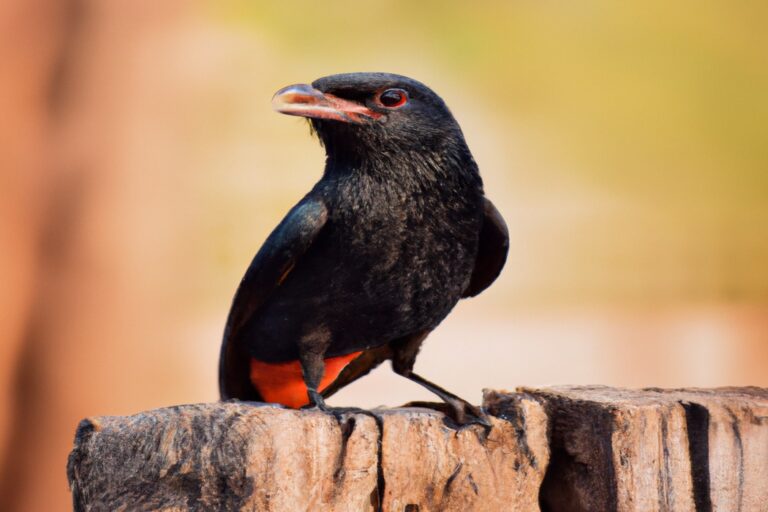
(393, 98)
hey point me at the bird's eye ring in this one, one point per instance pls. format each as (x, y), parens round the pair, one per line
(393, 98)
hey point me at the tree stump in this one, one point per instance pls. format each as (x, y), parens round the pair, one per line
(553, 449)
(652, 450)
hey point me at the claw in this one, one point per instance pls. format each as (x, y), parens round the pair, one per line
(458, 412)
(465, 413)
(316, 402)
(338, 412)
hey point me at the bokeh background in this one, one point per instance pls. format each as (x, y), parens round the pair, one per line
(141, 168)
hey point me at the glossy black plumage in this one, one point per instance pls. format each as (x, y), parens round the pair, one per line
(396, 231)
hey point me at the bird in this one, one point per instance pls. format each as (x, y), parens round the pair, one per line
(396, 231)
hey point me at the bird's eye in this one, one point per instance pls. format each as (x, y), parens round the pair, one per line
(393, 98)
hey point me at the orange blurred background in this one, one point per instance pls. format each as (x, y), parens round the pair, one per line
(141, 167)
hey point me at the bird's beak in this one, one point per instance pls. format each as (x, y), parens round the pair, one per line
(306, 101)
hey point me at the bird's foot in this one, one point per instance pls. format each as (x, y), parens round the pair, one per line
(342, 413)
(465, 413)
(338, 412)
(457, 411)
(316, 402)
(347, 410)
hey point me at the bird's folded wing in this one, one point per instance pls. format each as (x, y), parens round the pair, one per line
(269, 268)
(491, 252)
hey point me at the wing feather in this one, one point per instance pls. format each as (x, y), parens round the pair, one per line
(492, 251)
(269, 268)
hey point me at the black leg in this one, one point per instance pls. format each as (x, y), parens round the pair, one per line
(403, 358)
(311, 355)
(463, 411)
(313, 367)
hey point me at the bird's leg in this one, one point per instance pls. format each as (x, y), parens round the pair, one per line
(311, 355)
(313, 368)
(403, 358)
(463, 411)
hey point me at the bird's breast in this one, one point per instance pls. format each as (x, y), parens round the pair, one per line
(406, 243)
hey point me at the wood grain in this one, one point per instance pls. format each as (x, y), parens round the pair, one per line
(656, 450)
(562, 449)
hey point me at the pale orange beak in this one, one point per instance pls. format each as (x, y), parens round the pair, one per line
(306, 101)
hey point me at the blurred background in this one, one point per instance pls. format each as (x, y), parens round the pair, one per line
(141, 168)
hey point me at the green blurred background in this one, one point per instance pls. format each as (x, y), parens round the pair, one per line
(142, 167)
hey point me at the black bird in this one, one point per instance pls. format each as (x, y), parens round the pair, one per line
(396, 231)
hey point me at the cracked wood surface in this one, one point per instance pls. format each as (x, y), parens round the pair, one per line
(240, 456)
(552, 449)
(697, 450)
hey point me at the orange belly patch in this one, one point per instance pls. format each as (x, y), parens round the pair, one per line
(283, 383)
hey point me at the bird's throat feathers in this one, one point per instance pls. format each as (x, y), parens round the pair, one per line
(417, 160)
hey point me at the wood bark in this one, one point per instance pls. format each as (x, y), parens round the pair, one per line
(652, 450)
(554, 449)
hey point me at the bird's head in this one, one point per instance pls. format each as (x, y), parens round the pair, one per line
(373, 115)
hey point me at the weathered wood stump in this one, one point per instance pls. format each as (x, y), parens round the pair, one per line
(237, 456)
(554, 449)
(656, 450)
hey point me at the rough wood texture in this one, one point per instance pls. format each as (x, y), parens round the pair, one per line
(235, 456)
(611, 450)
(656, 450)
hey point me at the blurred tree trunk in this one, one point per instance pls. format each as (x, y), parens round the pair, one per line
(72, 289)
(31, 35)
